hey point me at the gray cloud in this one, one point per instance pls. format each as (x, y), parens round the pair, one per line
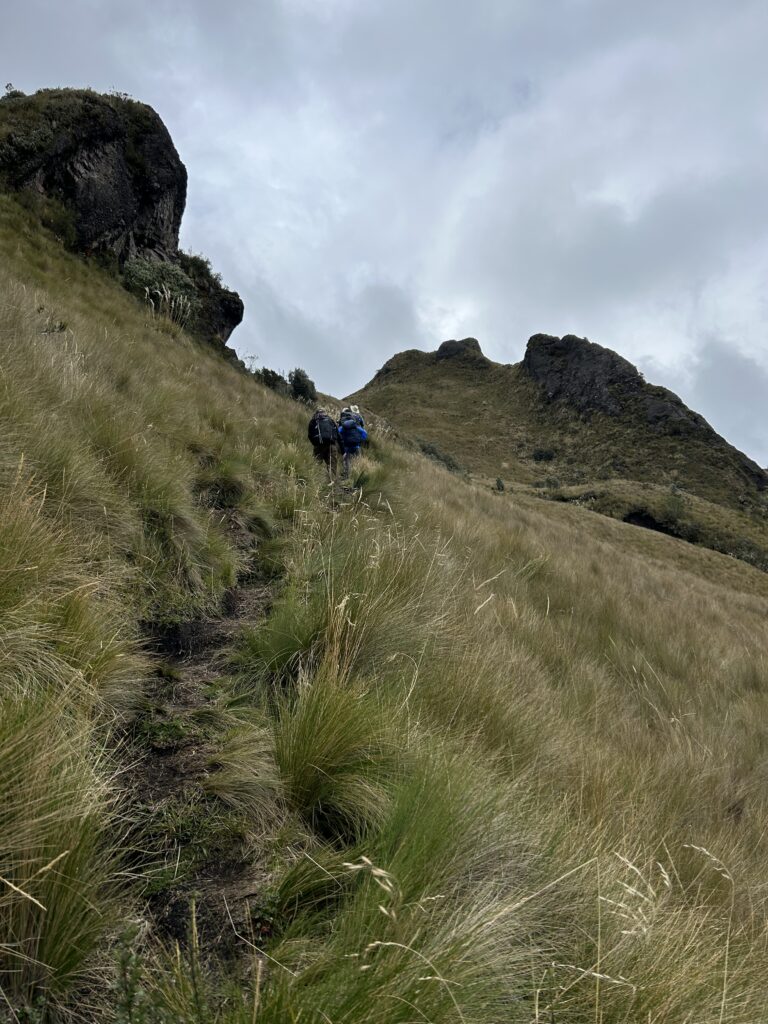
(733, 387)
(377, 176)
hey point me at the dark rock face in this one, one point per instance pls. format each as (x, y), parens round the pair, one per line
(468, 350)
(109, 161)
(593, 379)
(225, 313)
(220, 309)
(586, 375)
(109, 164)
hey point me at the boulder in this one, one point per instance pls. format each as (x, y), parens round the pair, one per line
(108, 160)
(106, 174)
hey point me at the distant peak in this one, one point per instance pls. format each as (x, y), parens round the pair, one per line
(467, 347)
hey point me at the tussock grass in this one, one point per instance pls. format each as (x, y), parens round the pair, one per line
(602, 692)
(502, 759)
(56, 873)
(245, 777)
(336, 752)
(124, 450)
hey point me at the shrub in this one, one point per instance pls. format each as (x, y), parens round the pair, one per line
(164, 286)
(432, 451)
(273, 380)
(302, 388)
(198, 268)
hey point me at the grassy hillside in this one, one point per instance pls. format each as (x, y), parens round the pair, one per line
(495, 422)
(471, 757)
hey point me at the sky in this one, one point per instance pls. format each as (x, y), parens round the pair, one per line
(376, 175)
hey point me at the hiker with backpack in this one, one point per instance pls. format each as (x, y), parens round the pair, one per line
(352, 434)
(322, 432)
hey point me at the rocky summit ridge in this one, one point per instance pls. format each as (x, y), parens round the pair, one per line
(103, 172)
(593, 379)
(577, 422)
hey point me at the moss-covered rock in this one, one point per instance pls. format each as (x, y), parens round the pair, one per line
(103, 173)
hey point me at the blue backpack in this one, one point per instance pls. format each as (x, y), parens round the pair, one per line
(351, 433)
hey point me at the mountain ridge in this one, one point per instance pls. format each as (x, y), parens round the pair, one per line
(568, 375)
(577, 422)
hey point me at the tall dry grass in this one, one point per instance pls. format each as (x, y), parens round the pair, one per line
(616, 702)
(505, 760)
(122, 444)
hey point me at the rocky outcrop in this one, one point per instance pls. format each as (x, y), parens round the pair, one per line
(109, 168)
(464, 354)
(219, 309)
(109, 161)
(467, 350)
(587, 376)
(592, 379)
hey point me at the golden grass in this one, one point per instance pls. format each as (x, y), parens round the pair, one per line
(505, 759)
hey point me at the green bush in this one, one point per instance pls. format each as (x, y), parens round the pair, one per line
(432, 451)
(11, 93)
(273, 380)
(164, 287)
(542, 455)
(302, 388)
(198, 268)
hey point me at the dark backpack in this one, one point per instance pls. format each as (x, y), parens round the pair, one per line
(322, 430)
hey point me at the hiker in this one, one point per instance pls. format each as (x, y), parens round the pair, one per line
(322, 433)
(352, 434)
(357, 415)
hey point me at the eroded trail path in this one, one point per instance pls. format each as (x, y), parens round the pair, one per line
(198, 854)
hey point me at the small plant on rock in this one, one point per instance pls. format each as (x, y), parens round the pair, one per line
(164, 286)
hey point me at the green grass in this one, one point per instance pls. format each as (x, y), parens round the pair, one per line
(337, 754)
(488, 757)
(672, 511)
(57, 864)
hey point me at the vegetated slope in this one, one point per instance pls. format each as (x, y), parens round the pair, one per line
(485, 760)
(579, 422)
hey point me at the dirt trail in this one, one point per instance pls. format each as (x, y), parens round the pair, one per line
(192, 852)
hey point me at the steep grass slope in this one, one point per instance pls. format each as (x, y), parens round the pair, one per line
(498, 759)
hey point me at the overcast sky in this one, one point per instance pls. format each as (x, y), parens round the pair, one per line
(374, 175)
